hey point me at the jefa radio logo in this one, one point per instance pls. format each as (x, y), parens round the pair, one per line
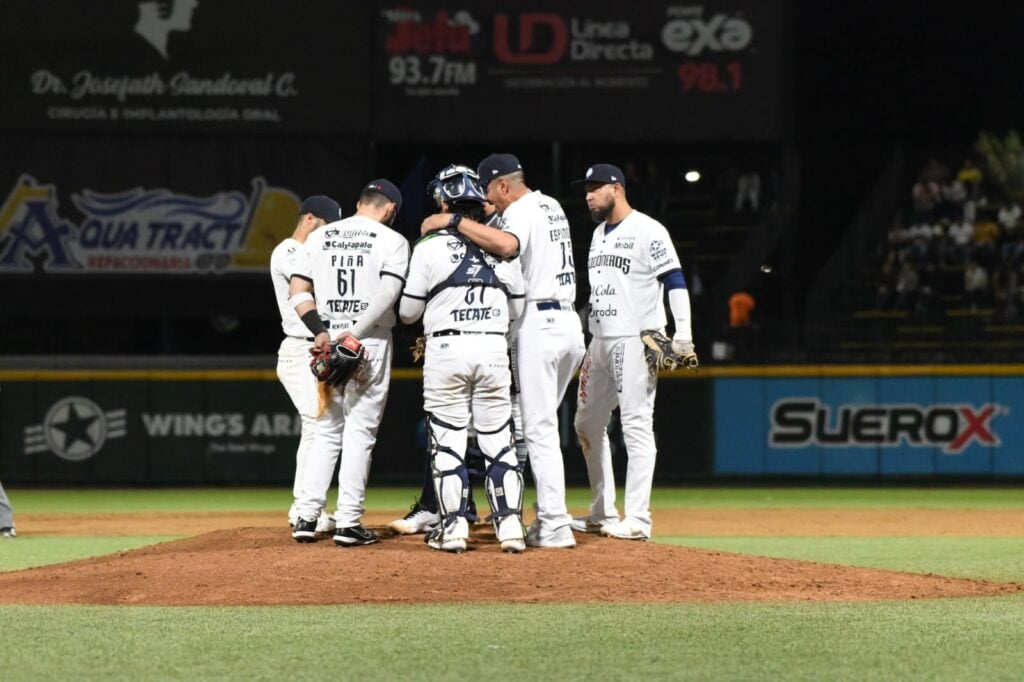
(802, 422)
(152, 230)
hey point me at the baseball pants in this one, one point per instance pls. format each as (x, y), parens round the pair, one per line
(6, 513)
(300, 384)
(466, 382)
(548, 350)
(348, 428)
(615, 374)
(466, 379)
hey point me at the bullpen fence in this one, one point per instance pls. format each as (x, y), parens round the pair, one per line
(236, 426)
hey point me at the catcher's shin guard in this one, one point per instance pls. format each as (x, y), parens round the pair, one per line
(448, 464)
(504, 478)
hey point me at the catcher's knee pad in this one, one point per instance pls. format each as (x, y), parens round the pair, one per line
(448, 464)
(504, 478)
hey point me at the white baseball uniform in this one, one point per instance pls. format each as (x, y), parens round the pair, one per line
(347, 262)
(6, 513)
(547, 344)
(293, 355)
(467, 299)
(626, 298)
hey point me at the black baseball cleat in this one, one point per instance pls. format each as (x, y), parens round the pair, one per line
(304, 531)
(354, 535)
(8, 532)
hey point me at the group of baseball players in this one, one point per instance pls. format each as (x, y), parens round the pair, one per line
(493, 280)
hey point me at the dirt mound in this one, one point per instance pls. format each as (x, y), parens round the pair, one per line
(264, 566)
(769, 522)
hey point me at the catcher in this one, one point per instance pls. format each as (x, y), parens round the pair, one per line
(632, 261)
(423, 516)
(466, 298)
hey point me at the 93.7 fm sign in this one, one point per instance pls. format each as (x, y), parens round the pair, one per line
(694, 70)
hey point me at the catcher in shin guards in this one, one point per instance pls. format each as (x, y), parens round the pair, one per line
(466, 298)
(632, 262)
(423, 515)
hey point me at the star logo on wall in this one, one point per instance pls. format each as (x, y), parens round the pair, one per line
(74, 429)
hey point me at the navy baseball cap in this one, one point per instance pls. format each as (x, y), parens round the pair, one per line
(322, 207)
(496, 165)
(603, 173)
(388, 189)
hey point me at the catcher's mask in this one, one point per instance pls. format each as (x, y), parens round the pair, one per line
(456, 184)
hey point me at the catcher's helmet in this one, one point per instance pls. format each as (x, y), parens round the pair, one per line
(456, 184)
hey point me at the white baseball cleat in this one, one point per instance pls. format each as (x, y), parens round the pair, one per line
(587, 524)
(510, 535)
(557, 538)
(325, 524)
(418, 520)
(625, 530)
(451, 537)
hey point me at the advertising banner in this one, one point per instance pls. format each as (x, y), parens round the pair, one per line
(255, 66)
(88, 206)
(172, 428)
(869, 427)
(579, 70)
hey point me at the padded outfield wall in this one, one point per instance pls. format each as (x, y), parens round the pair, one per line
(173, 427)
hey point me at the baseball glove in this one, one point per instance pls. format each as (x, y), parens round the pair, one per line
(662, 353)
(335, 363)
(419, 348)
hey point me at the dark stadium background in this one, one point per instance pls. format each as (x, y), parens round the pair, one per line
(861, 79)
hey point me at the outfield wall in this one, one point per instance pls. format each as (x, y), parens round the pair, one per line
(184, 427)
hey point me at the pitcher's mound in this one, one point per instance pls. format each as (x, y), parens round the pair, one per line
(264, 566)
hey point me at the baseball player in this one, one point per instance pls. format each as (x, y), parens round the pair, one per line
(466, 298)
(632, 261)
(351, 277)
(293, 354)
(548, 340)
(6, 516)
(423, 515)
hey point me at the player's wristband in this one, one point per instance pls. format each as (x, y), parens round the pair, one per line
(313, 322)
(453, 222)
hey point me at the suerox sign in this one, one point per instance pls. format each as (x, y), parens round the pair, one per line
(802, 422)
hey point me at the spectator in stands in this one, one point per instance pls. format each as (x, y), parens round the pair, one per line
(748, 190)
(970, 175)
(1012, 249)
(935, 172)
(1009, 218)
(959, 240)
(925, 196)
(976, 288)
(885, 287)
(741, 326)
(907, 284)
(955, 194)
(1003, 290)
(983, 242)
